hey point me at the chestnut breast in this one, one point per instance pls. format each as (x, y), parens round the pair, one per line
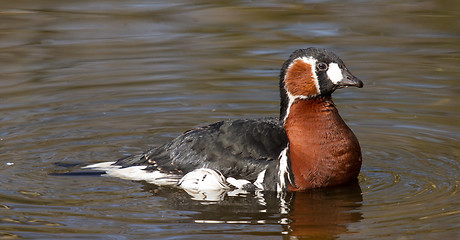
(323, 151)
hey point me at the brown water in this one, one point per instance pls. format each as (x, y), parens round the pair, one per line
(93, 81)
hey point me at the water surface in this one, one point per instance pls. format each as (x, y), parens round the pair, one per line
(93, 81)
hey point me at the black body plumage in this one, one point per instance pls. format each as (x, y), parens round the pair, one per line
(236, 148)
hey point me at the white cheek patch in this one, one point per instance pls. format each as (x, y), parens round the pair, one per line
(334, 73)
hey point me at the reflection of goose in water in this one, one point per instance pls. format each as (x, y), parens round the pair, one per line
(316, 213)
(325, 213)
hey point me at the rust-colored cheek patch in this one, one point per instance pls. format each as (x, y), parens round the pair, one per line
(299, 79)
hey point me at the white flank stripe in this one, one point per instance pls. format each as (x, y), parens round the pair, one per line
(103, 166)
(238, 183)
(136, 173)
(203, 179)
(260, 179)
(283, 170)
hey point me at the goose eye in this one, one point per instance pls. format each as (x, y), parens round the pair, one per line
(321, 66)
